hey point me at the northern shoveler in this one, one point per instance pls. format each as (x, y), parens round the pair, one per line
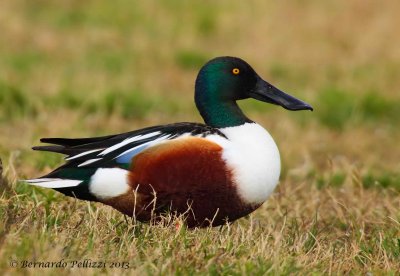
(211, 173)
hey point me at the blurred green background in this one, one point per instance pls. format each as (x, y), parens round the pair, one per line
(86, 68)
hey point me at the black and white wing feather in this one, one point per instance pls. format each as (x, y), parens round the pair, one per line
(117, 150)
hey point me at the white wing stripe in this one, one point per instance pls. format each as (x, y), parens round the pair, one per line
(147, 143)
(127, 141)
(87, 162)
(82, 154)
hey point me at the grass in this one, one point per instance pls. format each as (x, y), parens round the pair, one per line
(76, 69)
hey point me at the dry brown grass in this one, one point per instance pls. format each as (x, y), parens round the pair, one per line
(301, 229)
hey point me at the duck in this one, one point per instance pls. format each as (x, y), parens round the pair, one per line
(209, 174)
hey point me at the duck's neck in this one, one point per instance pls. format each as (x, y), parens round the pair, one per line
(221, 114)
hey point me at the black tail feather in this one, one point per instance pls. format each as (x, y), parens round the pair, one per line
(71, 142)
(58, 149)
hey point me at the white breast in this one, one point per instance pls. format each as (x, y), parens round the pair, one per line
(254, 159)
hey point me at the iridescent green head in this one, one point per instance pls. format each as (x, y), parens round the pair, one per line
(224, 80)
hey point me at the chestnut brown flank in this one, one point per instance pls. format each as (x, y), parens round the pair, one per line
(181, 173)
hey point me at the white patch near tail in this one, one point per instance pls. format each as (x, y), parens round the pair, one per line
(109, 182)
(53, 182)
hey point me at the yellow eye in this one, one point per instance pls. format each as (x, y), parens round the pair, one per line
(235, 71)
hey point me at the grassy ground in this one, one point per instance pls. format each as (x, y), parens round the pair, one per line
(85, 68)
